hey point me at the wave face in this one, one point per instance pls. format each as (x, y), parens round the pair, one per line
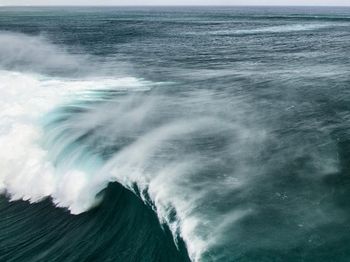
(190, 138)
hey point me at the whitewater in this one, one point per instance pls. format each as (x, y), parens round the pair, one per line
(36, 163)
(227, 126)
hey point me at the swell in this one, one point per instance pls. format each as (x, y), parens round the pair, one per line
(159, 146)
(121, 228)
(240, 166)
(57, 159)
(62, 170)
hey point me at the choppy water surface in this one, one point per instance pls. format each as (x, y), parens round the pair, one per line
(174, 134)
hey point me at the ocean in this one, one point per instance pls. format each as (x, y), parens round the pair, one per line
(175, 134)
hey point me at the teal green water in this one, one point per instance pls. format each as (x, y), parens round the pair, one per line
(120, 229)
(174, 134)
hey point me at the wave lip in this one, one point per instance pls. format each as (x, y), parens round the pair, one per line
(203, 159)
(184, 154)
(28, 169)
(27, 173)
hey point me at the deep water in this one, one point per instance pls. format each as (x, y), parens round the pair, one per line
(174, 134)
(120, 229)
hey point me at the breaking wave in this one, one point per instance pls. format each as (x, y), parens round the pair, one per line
(197, 157)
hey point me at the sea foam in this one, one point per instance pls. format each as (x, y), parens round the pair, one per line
(198, 157)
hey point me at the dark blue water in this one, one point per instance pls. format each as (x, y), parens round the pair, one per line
(174, 134)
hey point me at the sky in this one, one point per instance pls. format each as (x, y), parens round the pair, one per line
(176, 2)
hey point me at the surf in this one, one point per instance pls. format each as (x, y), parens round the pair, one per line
(236, 152)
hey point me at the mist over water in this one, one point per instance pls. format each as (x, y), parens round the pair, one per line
(229, 127)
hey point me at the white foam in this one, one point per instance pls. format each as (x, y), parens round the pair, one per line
(171, 177)
(26, 171)
(154, 160)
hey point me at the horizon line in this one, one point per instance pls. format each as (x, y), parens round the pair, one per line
(209, 5)
(340, 6)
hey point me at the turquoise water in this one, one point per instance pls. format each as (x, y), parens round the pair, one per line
(174, 134)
